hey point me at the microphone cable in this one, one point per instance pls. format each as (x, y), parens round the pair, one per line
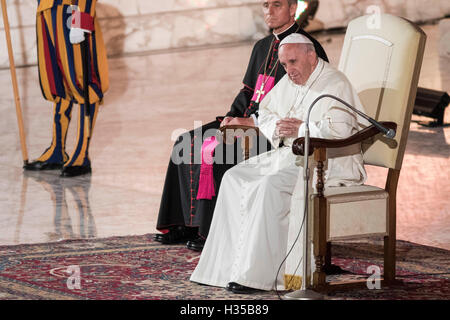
(292, 248)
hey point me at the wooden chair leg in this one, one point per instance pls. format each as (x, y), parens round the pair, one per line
(320, 224)
(390, 240)
(389, 259)
(328, 256)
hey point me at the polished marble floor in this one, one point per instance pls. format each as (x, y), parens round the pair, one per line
(152, 98)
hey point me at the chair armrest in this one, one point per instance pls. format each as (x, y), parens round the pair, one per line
(233, 128)
(236, 127)
(360, 136)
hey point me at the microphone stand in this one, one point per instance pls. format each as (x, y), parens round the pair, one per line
(304, 293)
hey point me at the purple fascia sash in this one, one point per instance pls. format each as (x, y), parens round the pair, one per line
(206, 187)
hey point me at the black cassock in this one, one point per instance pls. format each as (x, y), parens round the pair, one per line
(179, 204)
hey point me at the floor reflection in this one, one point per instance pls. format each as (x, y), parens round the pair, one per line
(64, 215)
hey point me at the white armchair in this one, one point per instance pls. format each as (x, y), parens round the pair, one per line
(383, 64)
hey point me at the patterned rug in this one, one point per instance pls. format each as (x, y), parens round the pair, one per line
(136, 267)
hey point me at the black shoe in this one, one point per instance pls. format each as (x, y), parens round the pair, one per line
(73, 171)
(179, 234)
(333, 269)
(240, 289)
(196, 245)
(42, 165)
(158, 237)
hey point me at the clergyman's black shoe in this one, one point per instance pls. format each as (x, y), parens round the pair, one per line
(196, 245)
(240, 289)
(158, 237)
(73, 171)
(179, 234)
(42, 165)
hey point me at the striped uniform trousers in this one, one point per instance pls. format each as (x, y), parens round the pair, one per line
(61, 76)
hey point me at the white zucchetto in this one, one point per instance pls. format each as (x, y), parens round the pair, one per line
(295, 38)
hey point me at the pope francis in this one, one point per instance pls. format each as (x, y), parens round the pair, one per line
(254, 222)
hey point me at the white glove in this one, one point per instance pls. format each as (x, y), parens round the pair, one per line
(76, 35)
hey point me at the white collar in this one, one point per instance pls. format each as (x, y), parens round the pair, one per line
(277, 34)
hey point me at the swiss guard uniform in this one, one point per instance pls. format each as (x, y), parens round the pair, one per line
(61, 26)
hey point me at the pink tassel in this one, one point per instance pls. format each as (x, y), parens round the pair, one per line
(206, 185)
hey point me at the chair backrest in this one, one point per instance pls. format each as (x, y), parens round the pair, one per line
(382, 57)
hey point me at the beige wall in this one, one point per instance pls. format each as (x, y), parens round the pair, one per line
(142, 26)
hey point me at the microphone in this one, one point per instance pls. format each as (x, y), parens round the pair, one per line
(388, 133)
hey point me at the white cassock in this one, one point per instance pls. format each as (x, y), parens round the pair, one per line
(248, 237)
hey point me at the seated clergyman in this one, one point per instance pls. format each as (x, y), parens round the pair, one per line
(249, 232)
(191, 185)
